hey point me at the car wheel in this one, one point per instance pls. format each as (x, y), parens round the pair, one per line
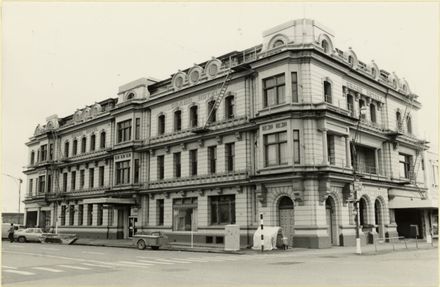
(155, 247)
(141, 245)
(22, 239)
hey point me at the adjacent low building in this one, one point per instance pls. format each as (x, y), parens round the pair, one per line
(275, 129)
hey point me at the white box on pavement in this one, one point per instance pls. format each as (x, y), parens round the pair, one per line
(232, 237)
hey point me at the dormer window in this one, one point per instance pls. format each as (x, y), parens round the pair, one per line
(130, 96)
(278, 43)
(373, 72)
(350, 60)
(325, 46)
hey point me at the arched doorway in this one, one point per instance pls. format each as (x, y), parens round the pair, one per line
(378, 217)
(330, 212)
(286, 217)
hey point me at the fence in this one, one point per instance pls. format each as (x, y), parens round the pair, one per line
(399, 239)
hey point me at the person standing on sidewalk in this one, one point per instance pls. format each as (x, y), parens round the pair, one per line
(11, 233)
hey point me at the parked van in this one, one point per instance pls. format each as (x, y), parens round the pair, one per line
(5, 229)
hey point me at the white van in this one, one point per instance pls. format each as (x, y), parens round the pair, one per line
(5, 229)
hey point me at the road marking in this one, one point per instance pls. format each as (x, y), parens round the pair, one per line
(9, 267)
(74, 267)
(173, 261)
(48, 269)
(134, 263)
(92, 252)
(96, 265)
(19, 272)
(155, 262)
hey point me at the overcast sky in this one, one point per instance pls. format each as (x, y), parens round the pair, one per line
(58, 57)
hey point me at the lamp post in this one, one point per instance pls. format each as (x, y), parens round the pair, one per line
(19, 181)
(356, 182)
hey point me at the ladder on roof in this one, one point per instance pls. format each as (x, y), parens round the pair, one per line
(218, 98)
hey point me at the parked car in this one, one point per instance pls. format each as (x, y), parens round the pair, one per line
(28, 234)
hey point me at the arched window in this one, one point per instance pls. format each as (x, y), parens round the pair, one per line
(32, 157)
(83, 144)
(278, 43)
(398, 120)
(229, 107)
(66, 149)
(325, 46)
(408, 124)
(363, 213)
(92, 142)
(177, 120)
(350, 60)
(161, 125)
(212, 112)
(102, 140)
(373, 113)
(75, 147)
(193, 116)
(404, 88)
(328, 92)
(373, 73)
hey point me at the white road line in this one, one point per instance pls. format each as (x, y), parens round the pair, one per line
(134, 263)
(155, 262)
(48, 269)
(19, 272)
(74, 267)
(173, 261)
(9, 267)
(92, 252)
(95, 265)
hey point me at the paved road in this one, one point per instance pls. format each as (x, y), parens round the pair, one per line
(64, 265)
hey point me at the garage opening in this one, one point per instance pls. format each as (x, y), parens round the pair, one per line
(407, 217)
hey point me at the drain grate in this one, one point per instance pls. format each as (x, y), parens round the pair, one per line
(286, 263)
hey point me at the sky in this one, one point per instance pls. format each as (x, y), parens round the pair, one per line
(59, 57)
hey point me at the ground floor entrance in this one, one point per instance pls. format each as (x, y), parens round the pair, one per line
(405, 218)
(31, 218)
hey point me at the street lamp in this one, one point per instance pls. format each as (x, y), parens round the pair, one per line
(19, 180)
(356, 182)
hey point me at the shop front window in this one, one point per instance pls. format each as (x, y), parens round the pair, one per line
(185, 214)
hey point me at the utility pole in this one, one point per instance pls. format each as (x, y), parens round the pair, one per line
(19, 181)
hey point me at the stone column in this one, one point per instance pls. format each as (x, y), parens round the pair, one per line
(347, 152)
(76, 216)
(376, 161)
(105, 213)
(95, 215)
(324, 148)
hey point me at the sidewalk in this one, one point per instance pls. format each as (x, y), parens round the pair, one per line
(367, 250)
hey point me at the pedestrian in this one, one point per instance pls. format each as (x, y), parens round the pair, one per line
(11, 233)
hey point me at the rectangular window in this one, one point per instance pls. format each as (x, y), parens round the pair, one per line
(405, 165)
(102, 140)
(273, 90)
(137, 130)
(229, 107)
(66, 149)
(222, 209)
(51, 152)
(83, 145)
(193, 161)
(49, 183)
(65, 181)
(212, 159)
(81, 178)
(73, 181)
(160, 211)
(296, 147)
(41, 183)
(136, 170)
(75, 147)
(124, 131)
(177, 120)
(275, 148)
(80, 214)
(99, 215)
(161, 125)
(31, 186)
(43, 152)
(92, 142)
(89, 214)
(91, 177)
(230, 156)
(63, 215)
(177, 165)
(294, 87)
(123, 172)
(160, 166)
(101, 176)
(331, 149)
(71, 214)
(184, 213)
(212, 112)
(327, 92)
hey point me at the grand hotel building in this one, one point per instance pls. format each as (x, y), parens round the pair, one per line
(269, 130)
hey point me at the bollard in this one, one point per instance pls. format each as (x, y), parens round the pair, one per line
(404, 240)
(417, 243)
(392, 241)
